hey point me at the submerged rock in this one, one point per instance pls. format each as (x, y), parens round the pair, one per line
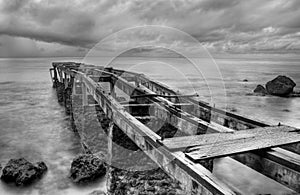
(22, 172)
(86, 168)
(245, 80)
(260, 89)
(280, 86)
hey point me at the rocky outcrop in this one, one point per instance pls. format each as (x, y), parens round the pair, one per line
(260, 89)
(280, 86)
(148, 182)
(87, 168)
(22, 172)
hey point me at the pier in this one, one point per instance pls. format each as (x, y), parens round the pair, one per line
(203, 132)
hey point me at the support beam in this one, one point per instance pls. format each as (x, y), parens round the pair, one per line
(84, 94)
(272, 165)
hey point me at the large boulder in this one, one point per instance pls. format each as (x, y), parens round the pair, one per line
(22, 172)
(260, 89)
(280, 86)
(86, 168)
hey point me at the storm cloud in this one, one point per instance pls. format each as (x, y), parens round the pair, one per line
(234, 26)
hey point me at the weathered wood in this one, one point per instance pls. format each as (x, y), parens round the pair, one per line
(201, 109)
(284, 157)
(182, 143)
(192, 175)
(261, 138)
(147, 141)
(145, 117)
(84, 95)
(167, 111)
(276, 165)
(136, 105)
(101, 78)
(186, 120)
(165, 96)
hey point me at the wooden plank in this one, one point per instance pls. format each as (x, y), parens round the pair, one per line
(137, 105)
(145, 117)
(181, 143)
(262, 138)
(165, 96)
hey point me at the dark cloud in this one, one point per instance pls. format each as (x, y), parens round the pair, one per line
(221, 25)
(13, 5)
(211, 5)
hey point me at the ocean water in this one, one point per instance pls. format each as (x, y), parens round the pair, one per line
(33, 125)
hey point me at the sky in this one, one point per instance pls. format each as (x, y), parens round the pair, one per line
(42, 28)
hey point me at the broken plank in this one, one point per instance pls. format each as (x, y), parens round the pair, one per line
(263, 138)
(181, 143)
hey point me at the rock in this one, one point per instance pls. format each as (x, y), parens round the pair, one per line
(147, 182)
(260, 89)
(42, 166)
(280, 86)
(97, 192)
(22, 172)
(86, 168)
(245, 80)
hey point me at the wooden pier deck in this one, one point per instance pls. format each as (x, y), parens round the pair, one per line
(206, 132)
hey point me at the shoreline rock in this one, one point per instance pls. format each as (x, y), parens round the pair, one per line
(281, 86)
(22, 172)
(87, 168)
(260, 89)
(148, 182)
